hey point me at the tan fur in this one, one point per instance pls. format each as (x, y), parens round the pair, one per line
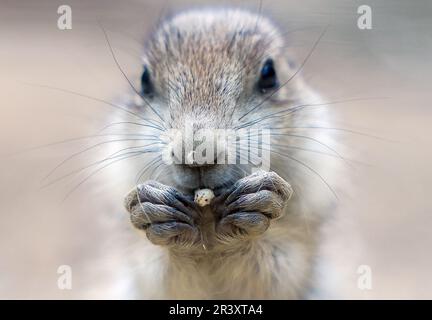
(206, 63)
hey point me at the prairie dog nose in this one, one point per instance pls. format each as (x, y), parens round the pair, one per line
(197, 146)
(194, 161)
(197, 155)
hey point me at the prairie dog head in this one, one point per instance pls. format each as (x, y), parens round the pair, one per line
(212, 70)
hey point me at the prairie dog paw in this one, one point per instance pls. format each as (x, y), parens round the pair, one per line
(248, 207)
(167, 216)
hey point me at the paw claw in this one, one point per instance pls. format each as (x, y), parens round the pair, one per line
(247, 208)
(167, 216)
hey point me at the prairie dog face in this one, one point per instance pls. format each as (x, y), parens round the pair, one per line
(213, 70)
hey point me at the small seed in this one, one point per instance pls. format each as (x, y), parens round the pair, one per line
(203, 197)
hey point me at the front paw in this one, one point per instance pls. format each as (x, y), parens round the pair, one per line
(167, 216)
(248, 207)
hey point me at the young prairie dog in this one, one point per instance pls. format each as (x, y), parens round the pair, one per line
(257, 239)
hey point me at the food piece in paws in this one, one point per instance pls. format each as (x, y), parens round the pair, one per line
(203, 197)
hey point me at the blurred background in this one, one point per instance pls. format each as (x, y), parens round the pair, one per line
(384, 220)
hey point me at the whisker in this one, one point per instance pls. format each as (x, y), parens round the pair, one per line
(258, 15)
(309, 168)
(155, 171)
(111, 157)
(126, 77)
(133, 123)
(300, 149)
(292, 109)
(292, 76)
(306, 166)
(300, 29)
(51, 144)
(95, 172)
(86, 97)
(138, 147)
(145, 168)
(332, 128)
(74, 155)
(306, 138)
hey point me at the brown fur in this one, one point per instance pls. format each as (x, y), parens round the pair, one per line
(204, 64)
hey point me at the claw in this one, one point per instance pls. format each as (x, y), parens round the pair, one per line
(167, 216)
(247, 208)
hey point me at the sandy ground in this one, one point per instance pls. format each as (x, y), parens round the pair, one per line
(388, 208)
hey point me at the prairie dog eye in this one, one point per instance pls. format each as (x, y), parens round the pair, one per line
(268, 77)
(146, 83)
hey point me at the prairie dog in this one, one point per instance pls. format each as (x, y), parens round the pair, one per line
(226, 69)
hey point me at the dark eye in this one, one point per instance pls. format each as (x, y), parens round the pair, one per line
(146, 84)
(268, 78)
